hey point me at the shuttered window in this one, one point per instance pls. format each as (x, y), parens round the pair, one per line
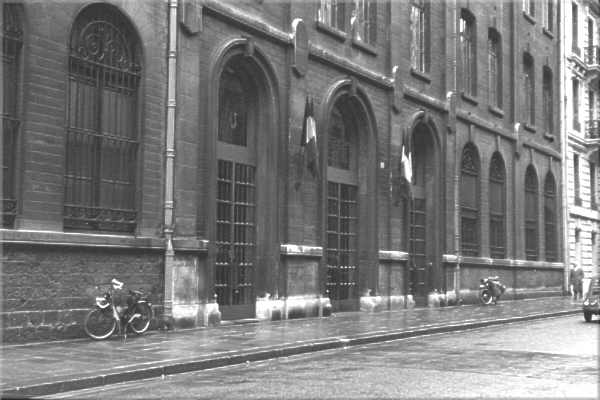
(102, 123)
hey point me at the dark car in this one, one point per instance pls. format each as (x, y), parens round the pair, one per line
(591, 303)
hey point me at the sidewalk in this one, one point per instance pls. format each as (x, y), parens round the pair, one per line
(46, 368)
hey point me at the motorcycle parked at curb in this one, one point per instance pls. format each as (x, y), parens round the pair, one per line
(490, 290)
(107, 317)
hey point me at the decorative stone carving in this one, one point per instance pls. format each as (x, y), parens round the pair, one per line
(300, 64)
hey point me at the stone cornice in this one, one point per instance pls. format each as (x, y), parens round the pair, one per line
(328, 57)
(542, 149)
(583, 212)
(249, 22)
(483, 124)
(53, 238)
(507, 263)
(425, 99)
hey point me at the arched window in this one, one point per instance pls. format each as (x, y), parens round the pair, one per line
(341, 152)
(102, 122)
(342, 203)
(469, 201)
(531, 214)
(550, 218)
(233, 104)
(497, 201)
(528, 89)
(236, 217)
(12, 42)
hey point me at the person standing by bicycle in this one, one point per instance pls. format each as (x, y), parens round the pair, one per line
(119, 295)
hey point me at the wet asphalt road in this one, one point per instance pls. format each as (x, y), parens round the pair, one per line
(551, 358)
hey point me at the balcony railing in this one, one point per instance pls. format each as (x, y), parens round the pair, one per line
(592, 129)
(592, 55)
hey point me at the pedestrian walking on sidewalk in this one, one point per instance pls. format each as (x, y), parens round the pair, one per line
(577, 283)
(572, 281)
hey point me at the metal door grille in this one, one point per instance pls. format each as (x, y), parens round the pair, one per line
(234, 268)
(102, 137)
(418, 247)
(341, 241)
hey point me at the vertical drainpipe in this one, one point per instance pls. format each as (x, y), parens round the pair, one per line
(452, 100)
(514, 12)
(564, 142)
(170, 160)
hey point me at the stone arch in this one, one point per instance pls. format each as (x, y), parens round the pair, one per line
(100, 8)
(497, 200)
(259, 158)
(470, 200)
(350, 99)
(531, 213)
(551, 214)
(423, 211)
(104, 67)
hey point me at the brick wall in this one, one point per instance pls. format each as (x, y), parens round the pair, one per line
(48, 290)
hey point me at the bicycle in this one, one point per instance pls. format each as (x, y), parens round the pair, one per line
(102, 322)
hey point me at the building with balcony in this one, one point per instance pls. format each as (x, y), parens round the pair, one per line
(581, 130)
(167, 144)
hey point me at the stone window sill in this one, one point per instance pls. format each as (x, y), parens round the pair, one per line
(529, 17)
(496, 111)
(331, 31)
(469, 99)
(548, 33)
(424, 76)
(366, 47)
(530, 128)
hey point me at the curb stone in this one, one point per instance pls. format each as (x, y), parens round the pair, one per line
(67, 385)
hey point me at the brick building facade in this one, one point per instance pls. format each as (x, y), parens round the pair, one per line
(581, 130)
(162, 143)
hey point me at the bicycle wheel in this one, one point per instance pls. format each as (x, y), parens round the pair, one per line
(99, 324)
(141, 324)
(485, 296)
